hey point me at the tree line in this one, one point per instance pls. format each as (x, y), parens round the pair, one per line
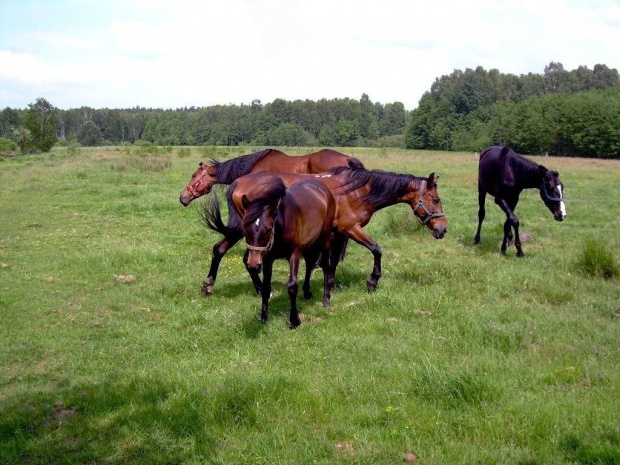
(560, 112)
(569, 113)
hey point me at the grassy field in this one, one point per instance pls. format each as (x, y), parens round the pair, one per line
(110, 354)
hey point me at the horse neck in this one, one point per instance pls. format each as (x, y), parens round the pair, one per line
(529, 174)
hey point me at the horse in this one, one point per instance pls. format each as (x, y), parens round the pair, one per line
(289, 223)
(206, 176)
(359, 193)
(504, 174)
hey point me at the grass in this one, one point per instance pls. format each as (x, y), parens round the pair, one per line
(461, 356)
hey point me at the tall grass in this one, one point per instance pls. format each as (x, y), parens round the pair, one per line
(462, 355)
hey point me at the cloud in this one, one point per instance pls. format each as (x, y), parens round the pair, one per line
(157, 54)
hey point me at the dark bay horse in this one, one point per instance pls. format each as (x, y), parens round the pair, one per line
(226, 172)
(289, 223)
(359, 194)
(504, 174)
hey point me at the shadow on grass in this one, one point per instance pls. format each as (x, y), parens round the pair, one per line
(130, 418)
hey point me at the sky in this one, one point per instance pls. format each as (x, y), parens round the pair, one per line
(182, 53)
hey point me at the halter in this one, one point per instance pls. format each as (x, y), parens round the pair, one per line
(265, 248)
(547, 196)
(202, 182)
(429, 215)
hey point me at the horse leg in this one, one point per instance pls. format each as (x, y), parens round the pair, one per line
(512, 222)
(329, 270)
(359, 235)
(482, 195)
(337, 251)
(293, 287)
(266, 289)
(310, 258)
(219, 250)
(254, 275)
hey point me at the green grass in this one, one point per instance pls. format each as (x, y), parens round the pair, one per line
(461, 356)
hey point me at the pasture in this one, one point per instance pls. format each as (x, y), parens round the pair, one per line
(110, 354)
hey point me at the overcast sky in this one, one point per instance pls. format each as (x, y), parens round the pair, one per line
(176, 53)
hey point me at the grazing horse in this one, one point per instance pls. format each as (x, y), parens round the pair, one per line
(504, 174)
(359, 194)
(289, 223)
(226, 172)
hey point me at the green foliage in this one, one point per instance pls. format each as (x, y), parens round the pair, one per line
(184, 152)
(7, 145)
(74, 148)
(41, 121)
(573, 113)
(598, 260)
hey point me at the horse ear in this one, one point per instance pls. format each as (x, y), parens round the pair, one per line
(432, 179)
(245, 202)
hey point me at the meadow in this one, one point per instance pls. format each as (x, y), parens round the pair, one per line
(110, 354)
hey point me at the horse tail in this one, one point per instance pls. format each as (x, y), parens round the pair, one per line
(211, 214)
(355, 164)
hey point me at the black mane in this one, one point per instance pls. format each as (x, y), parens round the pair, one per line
(230, 170)
(383, 188)
(274, 190)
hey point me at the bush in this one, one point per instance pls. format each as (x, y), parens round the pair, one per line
(7, 145)
(74, 148)
(598, 260)
(184, 152)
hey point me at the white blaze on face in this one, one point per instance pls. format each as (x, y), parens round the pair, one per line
(257, 222)
(562, 204)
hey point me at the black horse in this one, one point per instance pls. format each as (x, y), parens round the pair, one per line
(504, 174)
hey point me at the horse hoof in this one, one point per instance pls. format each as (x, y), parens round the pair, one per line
(294, 324)
(206, 290)
(520, 254)
(308, 295)
(372, 287)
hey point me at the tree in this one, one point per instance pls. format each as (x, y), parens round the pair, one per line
(41, 121)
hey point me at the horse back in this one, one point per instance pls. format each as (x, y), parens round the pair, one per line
(307, 213)
(326, 159)
(495, 170)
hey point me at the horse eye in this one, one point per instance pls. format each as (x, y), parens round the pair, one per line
(436, 201)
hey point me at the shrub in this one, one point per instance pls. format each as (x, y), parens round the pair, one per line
(7, 145)
(598, 260)
(184, 152)
(74, 148)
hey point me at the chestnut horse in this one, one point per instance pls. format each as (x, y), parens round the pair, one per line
(358, 193)
(226, 172)
(504, 174)
(289, 223)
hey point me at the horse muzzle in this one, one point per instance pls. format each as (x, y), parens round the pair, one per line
(184, 201)
(439, 232)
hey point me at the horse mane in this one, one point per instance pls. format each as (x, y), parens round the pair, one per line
(384, 186)
(230, 170)
(274, 190)
(524, 167)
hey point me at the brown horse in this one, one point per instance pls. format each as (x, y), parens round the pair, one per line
(289, 223)
(359, 194)
(226, 172)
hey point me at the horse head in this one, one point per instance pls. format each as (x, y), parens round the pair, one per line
(428, 207)
(259, 220)
(552, 193)
(200, 184)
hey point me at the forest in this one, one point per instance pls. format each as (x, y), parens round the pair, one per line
(558, 112)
